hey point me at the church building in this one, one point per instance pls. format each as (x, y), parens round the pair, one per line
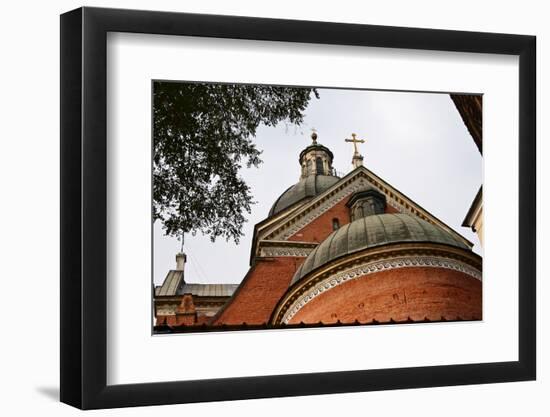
(336, 251)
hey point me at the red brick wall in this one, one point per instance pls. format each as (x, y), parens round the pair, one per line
(320, 228)
(265, 283)
(398, 294)
(179, 320)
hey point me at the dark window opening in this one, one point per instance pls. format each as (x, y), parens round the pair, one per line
(335, 224)
(320, 170)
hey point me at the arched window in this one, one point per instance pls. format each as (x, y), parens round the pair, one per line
(319, 164)
(335, 224)
(309, 167)
(360, 211)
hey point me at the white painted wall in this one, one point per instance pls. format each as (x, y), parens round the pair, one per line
(30, 235)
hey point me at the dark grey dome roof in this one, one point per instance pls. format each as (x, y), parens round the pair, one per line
(310, 186)
(372, 231)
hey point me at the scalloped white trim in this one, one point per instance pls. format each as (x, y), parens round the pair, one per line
(284, 251)
(377, 266)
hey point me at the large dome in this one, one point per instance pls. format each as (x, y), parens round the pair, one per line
(372, 231)
(307, 187)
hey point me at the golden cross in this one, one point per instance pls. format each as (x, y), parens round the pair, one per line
(355, 141)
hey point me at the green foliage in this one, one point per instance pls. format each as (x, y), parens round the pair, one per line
(202, 137)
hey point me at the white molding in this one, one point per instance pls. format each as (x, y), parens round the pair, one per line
(167, 311)
(371, 267)
(278, 251)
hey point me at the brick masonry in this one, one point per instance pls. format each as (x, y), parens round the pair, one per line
(263, 286)
(399, 294)
(320, 228)
(186, 313)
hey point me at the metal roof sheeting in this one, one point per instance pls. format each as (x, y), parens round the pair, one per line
(310, 186)
(171, 283)
(175, 285)
(209, 290)
(372, 231)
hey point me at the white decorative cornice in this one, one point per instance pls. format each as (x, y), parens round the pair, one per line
(285, 248)
(167, 310)
(276, 251)
(370, 267)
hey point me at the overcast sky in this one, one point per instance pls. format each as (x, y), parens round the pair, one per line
(416, 142)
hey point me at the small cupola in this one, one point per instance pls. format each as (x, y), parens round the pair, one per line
(366, 203)
(316, 159)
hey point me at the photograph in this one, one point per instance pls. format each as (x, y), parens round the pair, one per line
(281, 207)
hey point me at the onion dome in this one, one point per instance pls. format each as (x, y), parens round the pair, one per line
(373, 231)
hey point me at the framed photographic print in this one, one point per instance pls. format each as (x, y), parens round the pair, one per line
(291, 208)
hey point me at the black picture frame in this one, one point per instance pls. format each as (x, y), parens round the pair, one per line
(84, 207)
